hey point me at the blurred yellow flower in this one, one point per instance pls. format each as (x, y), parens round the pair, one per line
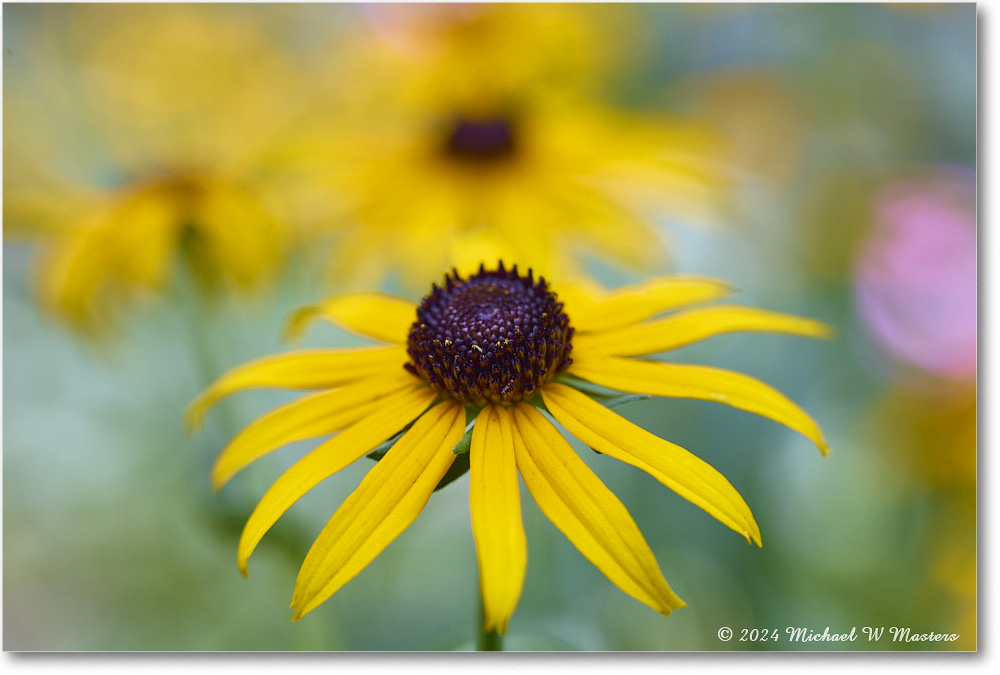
(930, 435)
(137, 133)
(476, 373)
(481, 132)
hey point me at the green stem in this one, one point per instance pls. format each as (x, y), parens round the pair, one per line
(489, 641)
(486, 640)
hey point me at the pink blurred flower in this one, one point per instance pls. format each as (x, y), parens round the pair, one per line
(411, 28)
(915, 276)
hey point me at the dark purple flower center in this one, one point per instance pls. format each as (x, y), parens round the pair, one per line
(481, 140)
(496, 336)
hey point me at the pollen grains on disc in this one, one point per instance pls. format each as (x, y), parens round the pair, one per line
(496, 336)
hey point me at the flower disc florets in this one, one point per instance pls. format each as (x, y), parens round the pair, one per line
(496, 336)
(481, 141)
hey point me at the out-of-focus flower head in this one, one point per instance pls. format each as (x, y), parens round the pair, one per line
(137, 133)
(472, 133)
(915, 276)
(466, 51)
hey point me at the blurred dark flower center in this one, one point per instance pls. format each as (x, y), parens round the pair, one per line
(496, 336)
(181, 188)
(481, 140)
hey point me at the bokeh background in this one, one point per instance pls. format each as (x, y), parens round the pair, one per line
(851, 136)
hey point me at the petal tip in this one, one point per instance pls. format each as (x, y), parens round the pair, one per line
(219, 474)
(194, 415)
(672, 603)
(295, 326)
(301, 609)
(721, 288)
(218, 482)
(824, 331)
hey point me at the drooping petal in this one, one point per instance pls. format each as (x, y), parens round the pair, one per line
(71, 273)
(307, 369)
(495, 505)
(589, 514)
(315, 415)
(675, 380)
(389, 498)
(672, 465)
(693, 325)
(395, 412)
(375, 315)
(632, 304)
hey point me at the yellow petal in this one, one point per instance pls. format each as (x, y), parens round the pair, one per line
(495, 505)
(316, 415)
(356, 261)
(241, 239)
(691, 326)
(141, 234)
(375, 315)
(73, 272)
(579, 297)
(602, 222)
(701, 382)
(389, 498)
(632, 304)
(589, 514)
(470, 247)
(672, 465)
(396, 411)
(307, 369)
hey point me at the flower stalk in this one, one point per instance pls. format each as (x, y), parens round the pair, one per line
(487, 640)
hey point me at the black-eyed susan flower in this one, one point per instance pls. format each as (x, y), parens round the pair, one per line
(140, 136)
(479, 371)
(489, 128)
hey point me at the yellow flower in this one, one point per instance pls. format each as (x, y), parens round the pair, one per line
(479, 370)
(137, 135)
(486, 131)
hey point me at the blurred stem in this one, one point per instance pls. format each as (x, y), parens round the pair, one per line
(487, 640)
(227, 511)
